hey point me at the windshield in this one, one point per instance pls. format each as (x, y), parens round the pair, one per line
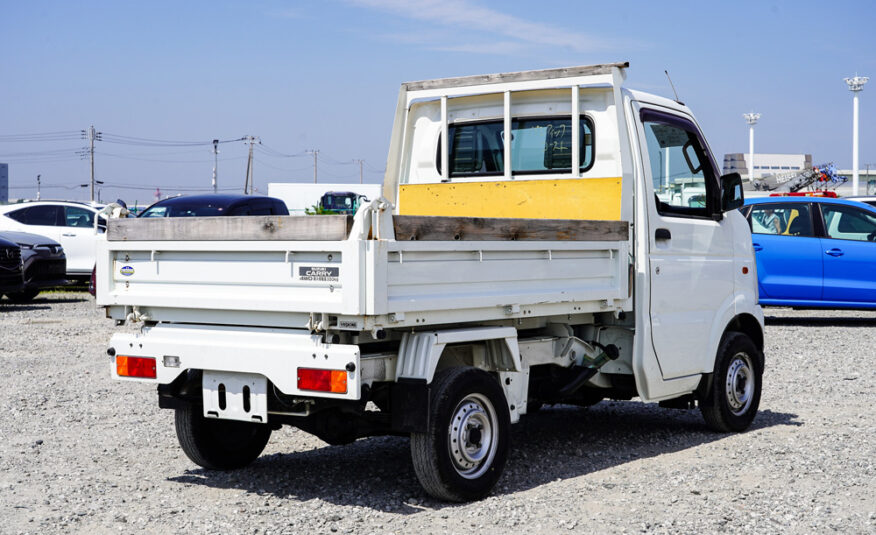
(185, 210)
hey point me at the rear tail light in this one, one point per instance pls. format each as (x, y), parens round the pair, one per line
(135, 367)
(334, 381)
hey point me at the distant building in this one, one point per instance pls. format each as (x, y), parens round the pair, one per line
(866, 181)
(4, 183)
(766, 164)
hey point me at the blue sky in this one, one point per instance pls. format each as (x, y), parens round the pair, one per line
(325, 75)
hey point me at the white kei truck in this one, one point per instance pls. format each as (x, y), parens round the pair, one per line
(521, 255)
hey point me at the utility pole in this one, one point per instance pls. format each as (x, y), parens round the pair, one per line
(38, 187)
(248, 184)
(856, 84)
(92, 136)
(315, 152)
(215, 165)
(751, 119)
(360, 168)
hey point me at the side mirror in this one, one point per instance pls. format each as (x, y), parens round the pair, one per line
(731, 192)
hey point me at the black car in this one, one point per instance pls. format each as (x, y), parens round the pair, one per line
(43, 261)
(11, 280)
(215, 205)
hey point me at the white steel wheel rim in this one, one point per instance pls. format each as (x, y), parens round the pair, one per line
(739, 384)
(472, 436)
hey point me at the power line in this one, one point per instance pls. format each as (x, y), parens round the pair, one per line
(277, 154)
(71, 150)
(45, 136)
(149, 142)
(262, 162)
(159, 160)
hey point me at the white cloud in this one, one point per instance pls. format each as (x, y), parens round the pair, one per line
(467, 14)
(499, 47)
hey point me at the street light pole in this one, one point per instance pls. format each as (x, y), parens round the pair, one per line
(751, 119)
(856, 84)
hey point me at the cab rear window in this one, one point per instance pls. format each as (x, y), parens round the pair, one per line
(538, 145)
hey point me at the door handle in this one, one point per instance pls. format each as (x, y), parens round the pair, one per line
(662, 234)
(835, 252)
(757, 246)
(68, 235)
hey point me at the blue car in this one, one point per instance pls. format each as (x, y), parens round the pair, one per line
(814, 252)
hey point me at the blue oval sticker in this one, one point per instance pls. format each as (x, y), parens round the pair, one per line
(127, 271)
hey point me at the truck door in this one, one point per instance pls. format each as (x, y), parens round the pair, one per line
(690, 253)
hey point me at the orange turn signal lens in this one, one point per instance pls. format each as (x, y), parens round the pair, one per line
(136, 367)
(334, 381)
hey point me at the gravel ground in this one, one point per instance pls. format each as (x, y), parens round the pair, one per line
(82, 453)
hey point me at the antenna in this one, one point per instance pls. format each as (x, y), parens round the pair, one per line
(673, 88)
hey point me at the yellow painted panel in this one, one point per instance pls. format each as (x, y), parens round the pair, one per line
(578, 198)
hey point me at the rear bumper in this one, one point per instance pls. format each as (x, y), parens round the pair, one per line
(276, 354)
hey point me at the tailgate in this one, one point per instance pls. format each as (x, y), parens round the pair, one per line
(277, 264)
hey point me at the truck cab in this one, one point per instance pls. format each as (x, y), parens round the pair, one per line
(532, 246)
(341, 202)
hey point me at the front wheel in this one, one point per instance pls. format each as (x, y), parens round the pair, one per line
(463, 453)
(219, 444)
(22, 297)
(732, 401)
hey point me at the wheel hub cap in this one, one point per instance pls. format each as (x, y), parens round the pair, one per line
(739, 385)
(471, 436)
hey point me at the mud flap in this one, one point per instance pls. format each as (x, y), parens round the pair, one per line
(409, 405)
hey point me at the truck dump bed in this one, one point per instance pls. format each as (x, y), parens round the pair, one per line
(286, 271)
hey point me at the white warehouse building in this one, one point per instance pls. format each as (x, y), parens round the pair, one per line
(766, 164)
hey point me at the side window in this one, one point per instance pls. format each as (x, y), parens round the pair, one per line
(43, 215)
(848, 223)
(261, 207)
(538, 145)
(243, 209)
(279, 208)
(791, 219)
(155, 211)
(78, 217)
(682, 172)
(19, 215)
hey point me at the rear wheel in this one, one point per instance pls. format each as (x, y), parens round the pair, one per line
(732, 402)
(219, 444)
(463, 453)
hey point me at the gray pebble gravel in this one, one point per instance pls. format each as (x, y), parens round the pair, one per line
(80, 452)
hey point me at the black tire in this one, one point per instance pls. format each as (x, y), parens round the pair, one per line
(219, 444)
(22, 297)
(731, 403)
(468, 407)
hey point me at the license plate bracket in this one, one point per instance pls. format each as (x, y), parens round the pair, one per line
(235, 396)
